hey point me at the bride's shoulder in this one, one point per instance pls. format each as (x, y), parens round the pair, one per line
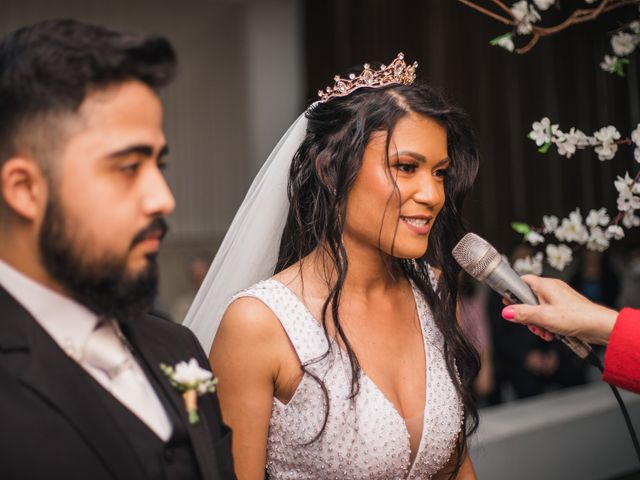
(248, 317)
(249, 309)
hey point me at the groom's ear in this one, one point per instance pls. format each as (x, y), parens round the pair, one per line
(23, 187)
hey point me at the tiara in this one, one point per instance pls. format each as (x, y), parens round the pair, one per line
(397, 72)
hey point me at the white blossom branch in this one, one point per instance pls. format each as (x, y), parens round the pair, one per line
(522, 17)
(598, 229)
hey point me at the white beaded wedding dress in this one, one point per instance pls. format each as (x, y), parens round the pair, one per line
(364, 437)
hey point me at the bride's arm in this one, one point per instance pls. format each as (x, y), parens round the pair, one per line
(244, 359)
(467, 472)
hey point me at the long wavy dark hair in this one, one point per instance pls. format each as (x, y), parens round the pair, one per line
(322, 173)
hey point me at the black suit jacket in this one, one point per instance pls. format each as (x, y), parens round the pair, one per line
(52, 423)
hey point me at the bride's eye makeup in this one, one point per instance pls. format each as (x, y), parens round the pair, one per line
(406, 167)
(407, 161)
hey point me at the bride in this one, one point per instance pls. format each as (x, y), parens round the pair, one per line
(345, 360)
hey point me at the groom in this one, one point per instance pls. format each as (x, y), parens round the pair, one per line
(82, 206)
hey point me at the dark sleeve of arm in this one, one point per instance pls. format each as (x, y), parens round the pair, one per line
(622, 357)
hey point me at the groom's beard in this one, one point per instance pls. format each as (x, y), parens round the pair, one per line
(102, 285)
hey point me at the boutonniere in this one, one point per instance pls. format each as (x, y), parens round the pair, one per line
(192, 381)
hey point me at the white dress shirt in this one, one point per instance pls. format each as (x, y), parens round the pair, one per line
(70, 324)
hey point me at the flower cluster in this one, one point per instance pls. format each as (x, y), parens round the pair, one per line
(604, 141)
(525, 14)
(598, 229)
(594, 232)
(529, 265)
(628, 200)
(623, 44)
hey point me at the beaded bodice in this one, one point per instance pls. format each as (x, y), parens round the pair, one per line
(364, 437)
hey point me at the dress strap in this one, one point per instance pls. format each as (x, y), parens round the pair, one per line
(304, 332)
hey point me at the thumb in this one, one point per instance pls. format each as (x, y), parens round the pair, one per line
(534, 281)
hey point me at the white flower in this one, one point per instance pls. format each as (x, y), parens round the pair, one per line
(628, 201)
(597, 240)
(636, 154)
(635, 136)
(597, 217)
(615, 232)
(558, 256)
(591, 1)
(525, 15)
(607, 137)
(623, 44)
(606, 151)
(191, 373)
(572, 229)
(533, 237)
(607, 134)
(550, 223)
(506, 42)
(630, 220)
(635, 26)
(544, 4)
(529, 265)
(609, 63)
(623, 185)
(568, 142)
(542, 130)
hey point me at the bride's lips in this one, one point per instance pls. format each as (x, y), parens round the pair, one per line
(420, 224)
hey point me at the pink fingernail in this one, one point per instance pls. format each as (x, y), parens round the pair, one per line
(508, 313)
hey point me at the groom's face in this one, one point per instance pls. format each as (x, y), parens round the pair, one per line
(107, 198)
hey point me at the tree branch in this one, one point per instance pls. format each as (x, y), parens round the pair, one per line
(578, 16)
(486, 12)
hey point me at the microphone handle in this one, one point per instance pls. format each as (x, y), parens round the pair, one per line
(504, 280)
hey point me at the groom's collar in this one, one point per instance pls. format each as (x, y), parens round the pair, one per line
(65, 320)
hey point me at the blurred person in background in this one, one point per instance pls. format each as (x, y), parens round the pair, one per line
(630, 290)
(523, 362)
(595, 278)
(475, 325)
(197, 270)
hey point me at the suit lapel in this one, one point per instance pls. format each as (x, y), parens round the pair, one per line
(153, 353)
(64, 385)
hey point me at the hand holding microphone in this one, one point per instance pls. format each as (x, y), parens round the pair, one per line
(483, 262)
(563, 311)
(543, 302)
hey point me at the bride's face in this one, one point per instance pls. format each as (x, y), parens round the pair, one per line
(392, 206)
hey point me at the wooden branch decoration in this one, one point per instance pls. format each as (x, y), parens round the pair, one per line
(578, 16)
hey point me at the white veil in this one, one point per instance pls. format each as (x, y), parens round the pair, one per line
(249, 251)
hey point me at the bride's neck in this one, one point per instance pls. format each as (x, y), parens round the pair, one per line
(370, 271)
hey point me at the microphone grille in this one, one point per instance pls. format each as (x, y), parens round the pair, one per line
(474, 254)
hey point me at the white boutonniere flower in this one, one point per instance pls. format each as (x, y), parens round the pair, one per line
(193, 381)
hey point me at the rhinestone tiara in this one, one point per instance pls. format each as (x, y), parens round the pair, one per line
(397, 72)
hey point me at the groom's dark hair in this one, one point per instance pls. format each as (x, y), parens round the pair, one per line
(47, 69)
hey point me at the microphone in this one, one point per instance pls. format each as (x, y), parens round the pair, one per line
(483, 262)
